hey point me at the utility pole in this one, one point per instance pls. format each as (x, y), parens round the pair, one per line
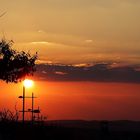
(28, 83)
(32, 110)
(32, 107)
(23, 113)
(38, 113)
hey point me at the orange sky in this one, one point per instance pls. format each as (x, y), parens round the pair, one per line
(78, 100)
(88, 30)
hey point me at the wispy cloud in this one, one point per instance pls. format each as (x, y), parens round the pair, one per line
(60, 73)
(41, 43)
(89, 41)
(40, 61)
(41, 31)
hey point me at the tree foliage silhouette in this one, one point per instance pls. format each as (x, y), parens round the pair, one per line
(15, 65)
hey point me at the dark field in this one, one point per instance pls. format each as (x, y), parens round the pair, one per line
(71, 130)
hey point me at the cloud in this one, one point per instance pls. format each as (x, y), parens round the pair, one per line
(60, 73)
(89, 41)
(102, 72)
(41, 31)
(40, 43)
(44, 72)
(43, 61)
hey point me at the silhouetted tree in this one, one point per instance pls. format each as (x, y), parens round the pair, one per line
(15, 65)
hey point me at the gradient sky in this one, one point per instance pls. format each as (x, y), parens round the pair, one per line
(74, 31)
(77, 32)
(77, 100)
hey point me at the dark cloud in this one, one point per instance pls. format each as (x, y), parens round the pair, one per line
(98, 72)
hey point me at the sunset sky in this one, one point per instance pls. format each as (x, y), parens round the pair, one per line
(92, 51)
(74, 31)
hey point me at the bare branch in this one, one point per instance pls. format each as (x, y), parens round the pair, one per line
(3, 14)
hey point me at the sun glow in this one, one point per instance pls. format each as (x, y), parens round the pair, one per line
(28, 83)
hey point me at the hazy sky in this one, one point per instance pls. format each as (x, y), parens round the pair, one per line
(77, 32)
(74, 31)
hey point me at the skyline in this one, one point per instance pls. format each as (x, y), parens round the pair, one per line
(76, 31)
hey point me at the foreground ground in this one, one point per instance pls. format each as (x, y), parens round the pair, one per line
(71, 130)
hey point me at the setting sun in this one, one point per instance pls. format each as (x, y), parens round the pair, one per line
(28, 83)
(69, 69)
